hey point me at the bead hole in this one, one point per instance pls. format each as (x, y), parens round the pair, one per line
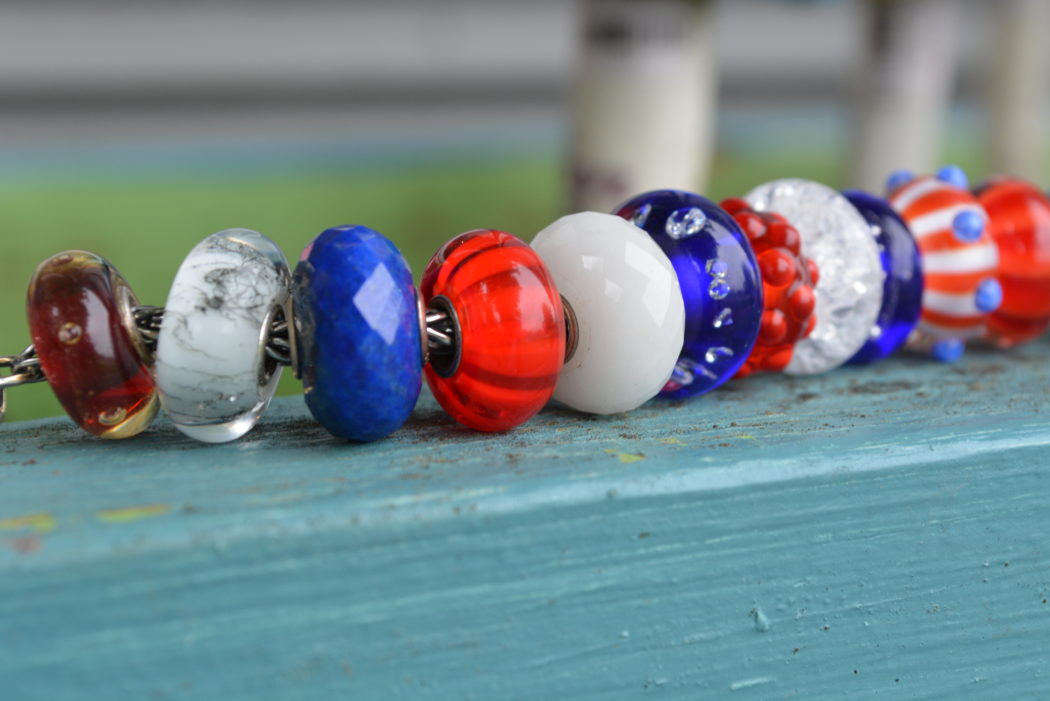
(572, 329)
(275, 344)
(443, 336)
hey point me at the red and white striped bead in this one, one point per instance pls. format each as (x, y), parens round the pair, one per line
(960, 259)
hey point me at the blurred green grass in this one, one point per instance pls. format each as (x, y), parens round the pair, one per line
(146, 223)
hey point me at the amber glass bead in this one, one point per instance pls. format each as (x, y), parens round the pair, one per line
(80, 320)
(510, 330)
(788, 277)
(1019, 221)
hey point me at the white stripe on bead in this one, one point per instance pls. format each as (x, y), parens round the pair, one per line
(941, 219)
(964, 260)
(913, 191)
(951, 304)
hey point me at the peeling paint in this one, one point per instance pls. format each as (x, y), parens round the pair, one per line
(761, 622)
(41, 522)
(748, 683)
(25, 545)
(132, 513)
(626, 457)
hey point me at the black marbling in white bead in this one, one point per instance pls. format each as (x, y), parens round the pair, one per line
(212, 372)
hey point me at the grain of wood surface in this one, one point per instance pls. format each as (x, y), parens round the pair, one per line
(872, 533)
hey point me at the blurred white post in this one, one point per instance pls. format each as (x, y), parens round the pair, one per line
(644, 100)
(1018, 89)
(904, 88)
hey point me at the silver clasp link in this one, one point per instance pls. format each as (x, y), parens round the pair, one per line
(15, 370)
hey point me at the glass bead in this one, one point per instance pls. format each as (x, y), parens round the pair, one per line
(958, 254)
(511, 330)
(81, 322)
(902, 287)
(630, 318)
(360, 352)
(838, 240)
(213, 374)
(787, 286)
(1019, 223)
(720, 284)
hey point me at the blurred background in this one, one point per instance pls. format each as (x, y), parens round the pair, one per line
(134, 129)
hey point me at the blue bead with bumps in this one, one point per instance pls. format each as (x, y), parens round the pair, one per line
(358, 333)
(720, 283)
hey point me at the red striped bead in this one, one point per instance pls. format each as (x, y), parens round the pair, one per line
(958, 255)
(511, 329)
(79, 311)
(1019, 221)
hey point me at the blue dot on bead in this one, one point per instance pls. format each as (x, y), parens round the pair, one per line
(948, 350)
(898, 178)
(968, 226)
(954, 175)
(989, 295)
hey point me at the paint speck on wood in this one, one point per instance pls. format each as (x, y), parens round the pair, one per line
(450, 564)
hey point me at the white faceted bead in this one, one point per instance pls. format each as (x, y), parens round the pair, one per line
(212, 373)
(629, 311)
(840, 242)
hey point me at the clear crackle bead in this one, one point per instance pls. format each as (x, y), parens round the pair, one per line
(841, 243)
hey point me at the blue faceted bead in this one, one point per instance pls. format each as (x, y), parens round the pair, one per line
(720, 283)
(358, 330)
(902, 286)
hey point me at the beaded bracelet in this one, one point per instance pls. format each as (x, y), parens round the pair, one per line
(671, 295)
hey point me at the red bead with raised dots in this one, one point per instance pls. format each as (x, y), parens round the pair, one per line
(1019, 222)
(511, 329)
(787, 284)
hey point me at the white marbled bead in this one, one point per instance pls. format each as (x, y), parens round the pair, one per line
(213, 376)
(628, 307)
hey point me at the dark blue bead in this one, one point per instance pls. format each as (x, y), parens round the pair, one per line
(720, 282)
(902, 288)
(358, 330)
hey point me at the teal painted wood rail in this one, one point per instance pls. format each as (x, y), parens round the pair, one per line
(874, 533)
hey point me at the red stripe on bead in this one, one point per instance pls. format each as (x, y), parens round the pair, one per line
(956, 283)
